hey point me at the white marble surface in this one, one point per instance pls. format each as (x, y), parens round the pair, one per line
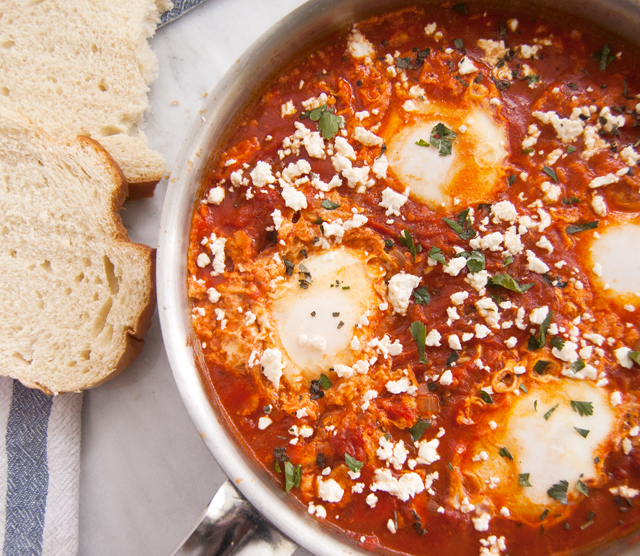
(146, 474)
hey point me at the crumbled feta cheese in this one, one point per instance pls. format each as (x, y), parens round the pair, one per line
(272, 365)
(535, 264)
(400, 289)
(393, 201)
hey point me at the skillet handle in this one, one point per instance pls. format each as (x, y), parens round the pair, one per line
(230, 526)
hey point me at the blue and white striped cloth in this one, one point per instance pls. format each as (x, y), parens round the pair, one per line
(39, 471)
(40, 455)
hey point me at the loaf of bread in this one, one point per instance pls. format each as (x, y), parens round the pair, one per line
(83, 68)
(77, 295)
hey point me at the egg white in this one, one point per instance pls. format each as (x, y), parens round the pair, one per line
(617, 251)
(341, 291)
(471, 173)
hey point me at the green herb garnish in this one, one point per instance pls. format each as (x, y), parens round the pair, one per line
(325, 381)
(582, 488)
(509, 283)
(419, 332)
(485, 396)
(328, 122)
(575, 228)
(577, 365)
(422, 143)
(504, 452)
(573, 201)
(582, 432)
(548, 413)
(442, 139)
(329, 205)
(507, 261)
(523, 480)
(557, 342)
(418, 429)
(604, 56)
(475, 260)
(559, 492)
(540, 366)
(635, 356)
(406, 239)
(352, 463)
(421, 296)
(583, 408)
(435, 253)
(541, 340)
(462, 226)
(550, 172)
(292, 475)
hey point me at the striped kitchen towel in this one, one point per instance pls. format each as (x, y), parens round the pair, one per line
(39, 471)
(179, 7)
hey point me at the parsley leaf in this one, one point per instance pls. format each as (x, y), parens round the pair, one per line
(422, 143)
(419, 332)
(541, 340)
(635, 356)
(540, 366)
(406, 239)
(557, 342)
(352, 463)
(504, 452)
(507, 261)
(575, 228)
(550, 172)
(604, 56)
(582, 488)
(328, 122)
(582, 432)
(571, 149)
(583, 408)
(523, 480)
(421, 296)
(577, 365)
(475, 260)
(462, 226)
(559, 492)
(548, 413)
(292, 475)
(418, 429)
(485, 396)
(442, 139)
(509, 283)
(435, 253)
(325, 382)
(573, 201)
(329, 205)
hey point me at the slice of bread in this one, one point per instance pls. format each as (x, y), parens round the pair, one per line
(77, 295)
(84, 68)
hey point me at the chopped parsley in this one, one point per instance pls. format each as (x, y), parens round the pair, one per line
(523, 388)
(540, 366)
(422, 143)
(442, 139)
(559, 492)
(388, 244)
(541, 340)
(582, 432)
(505, 453)
(329, 205)
(509, 283)
(550, 172)
(352, 463)
(512, 179)
(557, 343)
(507, 261)
(406, 239)
(523, 480)
(582, 488)
(572, 201)
(485, 396)
(419, 332)
(435, 253)
(418, 429)
(571, 149)
(328, 122)
(604, 56)
(635, 357)
(459, 44)
(548, 413)
(544, 515)
(575, 228)
(292, 475)
(325, 382)
(475, 260)
(452, 358)
(421, 296)
(461, 226)
(577, 365)
(583, 408)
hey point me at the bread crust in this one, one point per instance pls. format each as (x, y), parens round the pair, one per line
(138, 320)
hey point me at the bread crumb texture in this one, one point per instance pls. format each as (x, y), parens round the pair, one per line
(77, 295)
(84, 68)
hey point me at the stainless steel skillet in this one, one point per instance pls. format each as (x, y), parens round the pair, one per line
(231, 515)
